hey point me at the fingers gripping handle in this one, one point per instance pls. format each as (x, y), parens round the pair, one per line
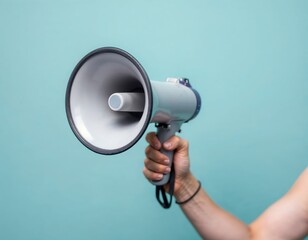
(164, 132)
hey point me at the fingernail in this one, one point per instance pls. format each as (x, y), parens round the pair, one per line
(167, 145)
(159, 176)
(167, 170)
(166, 161)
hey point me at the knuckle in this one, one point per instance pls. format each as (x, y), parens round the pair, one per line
(185, 143)
(149, 136)
(147, 150)
(147, 163)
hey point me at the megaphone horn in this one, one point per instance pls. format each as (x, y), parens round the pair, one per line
(110, 102)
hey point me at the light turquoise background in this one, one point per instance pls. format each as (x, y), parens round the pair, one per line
(248, 60)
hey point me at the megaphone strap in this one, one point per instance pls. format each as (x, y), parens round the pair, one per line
(160, 191)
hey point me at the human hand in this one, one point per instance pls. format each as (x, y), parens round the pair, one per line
(156, 163)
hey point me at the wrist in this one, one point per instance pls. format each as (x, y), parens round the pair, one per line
(187, 187)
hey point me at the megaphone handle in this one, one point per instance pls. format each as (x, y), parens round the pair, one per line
(164, 132)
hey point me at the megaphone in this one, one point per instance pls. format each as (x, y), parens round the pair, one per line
(110, 102)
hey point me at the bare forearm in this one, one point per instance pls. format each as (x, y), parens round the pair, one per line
(211, 221)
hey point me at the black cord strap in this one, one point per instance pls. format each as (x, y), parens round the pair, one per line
(192, 196)
(160, 190)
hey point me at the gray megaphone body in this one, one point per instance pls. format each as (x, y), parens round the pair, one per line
(110, 102)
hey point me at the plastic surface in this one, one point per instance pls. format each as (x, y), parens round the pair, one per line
(96, 77)
(127, 102)
(164, 132)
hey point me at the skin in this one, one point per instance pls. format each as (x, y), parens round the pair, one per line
(285, 219)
